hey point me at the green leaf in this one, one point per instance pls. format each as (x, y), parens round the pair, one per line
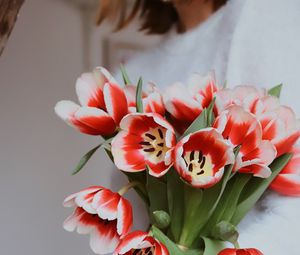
(161, 219)
(225, 231)
(199, 123)
(125, 75)
(157, 192)
(85, 159)
(256, 187)
(204, 120)
(275, 91)
(175, 202)
(228, 203)
(210, 113)
(171, 246)
(212, 247)
(139, 92)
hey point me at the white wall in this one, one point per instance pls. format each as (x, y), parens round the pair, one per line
(37, 150)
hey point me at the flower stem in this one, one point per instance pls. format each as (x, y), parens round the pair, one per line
(236, 245)
(127, 187)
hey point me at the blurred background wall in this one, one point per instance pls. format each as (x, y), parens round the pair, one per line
(47, 51)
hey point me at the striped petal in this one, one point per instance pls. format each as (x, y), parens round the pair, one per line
(104, 239)
(115, 101)
(240, 127)
(67, 110)
(124, 217)
(97, 120)
(288, 181)
(89, 89)
(106, 203)
(203, 88)
(180, 104)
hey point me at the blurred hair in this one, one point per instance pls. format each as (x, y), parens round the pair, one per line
(156, 16)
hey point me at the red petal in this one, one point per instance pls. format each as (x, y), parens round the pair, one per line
(105, 203)
(124, 217)
(115, 101)
(97, 120)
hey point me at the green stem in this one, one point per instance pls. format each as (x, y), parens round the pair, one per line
(236, 245)
(127, 187)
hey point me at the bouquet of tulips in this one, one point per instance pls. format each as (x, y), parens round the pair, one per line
(200, 156)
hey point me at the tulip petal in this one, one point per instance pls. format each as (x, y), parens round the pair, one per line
(180, 103)
(287, 184)
(124, 217)
(203, 88)
(115, 101)
(105, 203)
(89, 89)
(104, 239)
(97, 120)
(130, 241)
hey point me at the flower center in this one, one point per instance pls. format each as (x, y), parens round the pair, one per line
(146, 251)
(198, 165)
(154, 143)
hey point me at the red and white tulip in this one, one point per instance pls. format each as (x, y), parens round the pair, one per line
(288, 181)
(200, 157)
(140, 243)
(185, 103)
(242, 129)
(279, 123)
(151, 98)
(243, 95)
(104, 215)
(103, 104)
(233, 251)
(145, 140)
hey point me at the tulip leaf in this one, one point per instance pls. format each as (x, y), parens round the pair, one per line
(227, 205)
(256, 187)
(157, 192)
(212, 247)
(175, 202)
(161, 219)
(125, 75)
(199, 123)
(171, 246)
(275, 91)
(139, 94)
(204, 120)
(210, 113)
(85, 159)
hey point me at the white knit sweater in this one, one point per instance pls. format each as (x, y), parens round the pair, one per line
(246, 42)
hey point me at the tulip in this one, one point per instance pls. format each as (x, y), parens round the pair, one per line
(185, 103)
(104, 215)
(103, 104)
(242, 129)
(145, 140)
(243, 95)
(200, 157)
(279, 123)
(151, 98)
(232, 251)
(140, 243)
